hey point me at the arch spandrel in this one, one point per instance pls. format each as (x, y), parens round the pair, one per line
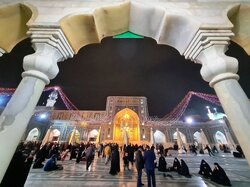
(112, 20)
(13, 20)
(80, 30)
(85, 29)
(239, 15)
(156, 22)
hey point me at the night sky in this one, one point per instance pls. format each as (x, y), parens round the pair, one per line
(126, 67)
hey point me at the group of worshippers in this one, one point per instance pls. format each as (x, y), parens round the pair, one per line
(179, 167)
(217, 175)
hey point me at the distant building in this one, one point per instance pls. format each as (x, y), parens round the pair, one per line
(123, 116)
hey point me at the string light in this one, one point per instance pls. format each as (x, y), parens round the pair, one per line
(170, 118)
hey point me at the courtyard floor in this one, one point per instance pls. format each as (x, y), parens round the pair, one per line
(75, 175)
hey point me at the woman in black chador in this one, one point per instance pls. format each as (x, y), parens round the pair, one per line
(205, 169)
(115, 161)
(162, 164)
(219, 175)
(184, 169)
(176, 165)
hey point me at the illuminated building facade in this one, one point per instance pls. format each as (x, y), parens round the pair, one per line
(126, 120)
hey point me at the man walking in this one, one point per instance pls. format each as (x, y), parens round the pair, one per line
(209, 150)
(149, 158)
(90, 153)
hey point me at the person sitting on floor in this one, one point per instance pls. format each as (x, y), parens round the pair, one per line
(162, 164)
(184, 169)
(205, 169)
(219, 175)
(176, 165)
(40, 157)
(51, 165)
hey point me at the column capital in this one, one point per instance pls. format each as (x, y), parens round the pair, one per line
(208, 48)
(43, 63)
(51, 46)
(53, 36)
(216, 66)
(205, 38)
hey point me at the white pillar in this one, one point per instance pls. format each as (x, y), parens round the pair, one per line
(39, 68)
(220, 71)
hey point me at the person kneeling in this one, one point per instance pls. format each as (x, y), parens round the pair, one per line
(162, 164)
(51, 165)
(184, 169)
(205, 169)
(219, 175)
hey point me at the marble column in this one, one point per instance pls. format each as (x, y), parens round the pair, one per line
(220, 71)
(39, 68)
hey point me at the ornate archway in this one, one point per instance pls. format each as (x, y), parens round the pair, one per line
(92, 135)
(33, 135)
(54, 136)
(183, 137)
(220, 138)
(159, 137)
(126, 126)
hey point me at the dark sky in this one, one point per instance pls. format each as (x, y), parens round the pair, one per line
(126, 67)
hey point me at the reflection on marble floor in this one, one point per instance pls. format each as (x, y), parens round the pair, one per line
(75, 175)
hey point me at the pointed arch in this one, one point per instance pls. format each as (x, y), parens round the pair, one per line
(164, 26)
(159, 137)
(126, 120)
(92, 135)
(183, 136)
(220, 138)
(33, 134)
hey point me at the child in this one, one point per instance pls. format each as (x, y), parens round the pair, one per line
(126, 160)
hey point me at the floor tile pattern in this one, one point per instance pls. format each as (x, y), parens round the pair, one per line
(75, 175)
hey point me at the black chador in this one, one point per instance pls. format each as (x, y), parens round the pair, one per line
(184, 169)
(176, 165)
(205, 169)
(115, 162)
(162, 164)
(219, 175)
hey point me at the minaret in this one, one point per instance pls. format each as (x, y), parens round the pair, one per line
(52, 99)
(210, 114)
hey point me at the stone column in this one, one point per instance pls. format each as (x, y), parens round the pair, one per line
(39, 67)
(220, 71)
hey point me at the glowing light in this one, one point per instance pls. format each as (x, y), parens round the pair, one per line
(43, 116)
(126, 116)
(221, 121)
(189, 120)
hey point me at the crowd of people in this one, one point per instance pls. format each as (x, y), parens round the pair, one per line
(145, 158)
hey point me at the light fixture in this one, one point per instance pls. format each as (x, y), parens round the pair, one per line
(43, 115)
(189, 120)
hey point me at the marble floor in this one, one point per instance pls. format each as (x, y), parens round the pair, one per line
(75, 175)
